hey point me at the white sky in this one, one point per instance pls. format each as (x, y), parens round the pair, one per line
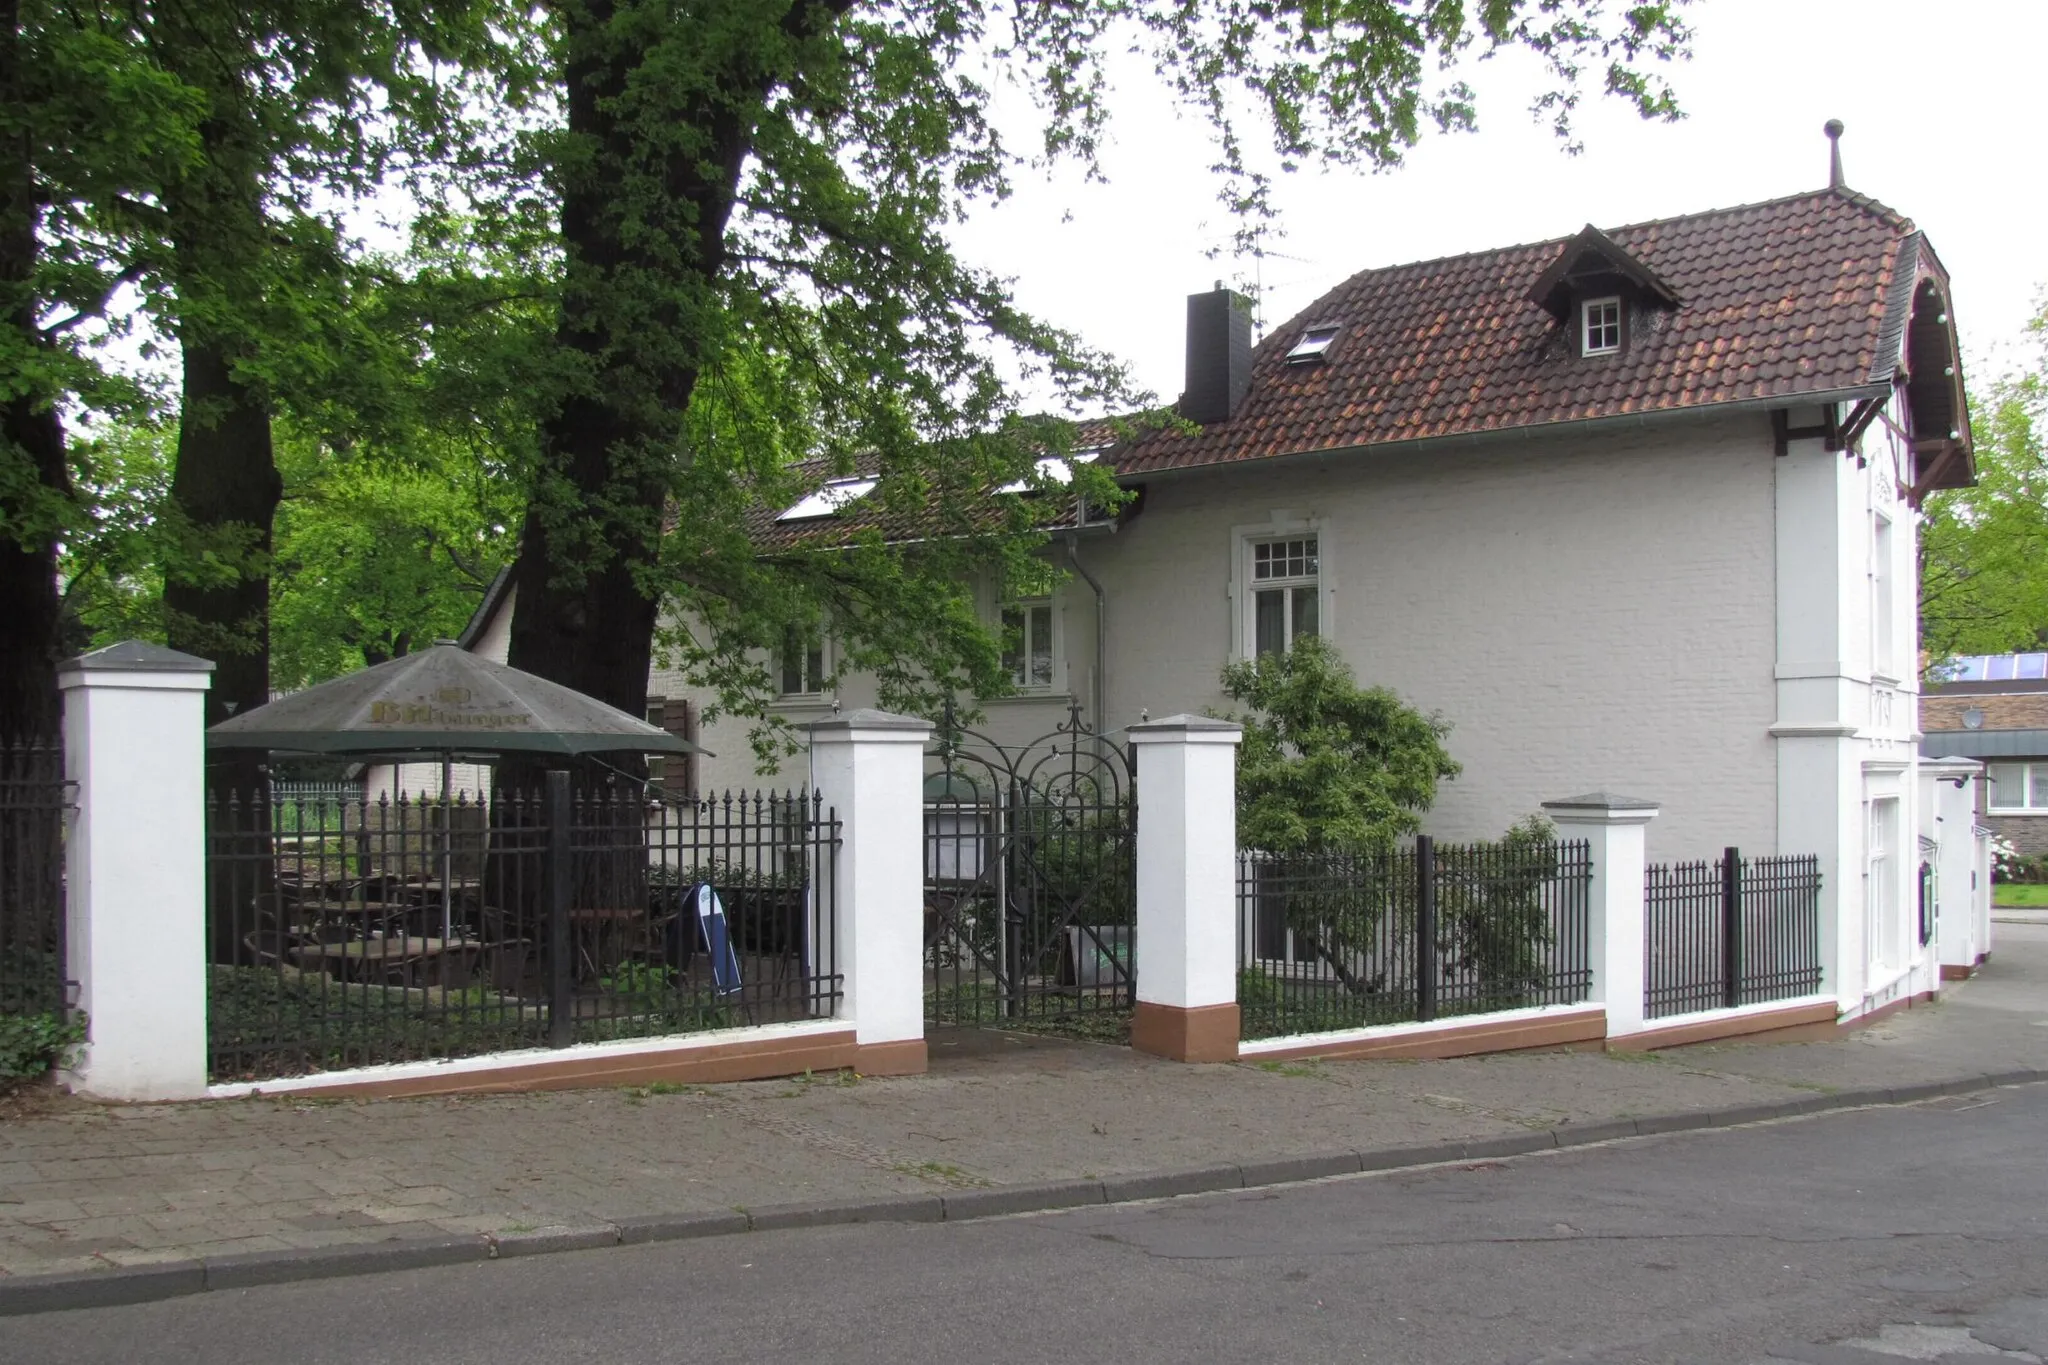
(1947, 122)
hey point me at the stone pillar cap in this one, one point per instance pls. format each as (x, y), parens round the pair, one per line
(867, 718)
(1601, 801)
(1190, 726)
(136, 656)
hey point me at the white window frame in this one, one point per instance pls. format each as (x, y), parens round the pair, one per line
(1284, 525)
(1056, 645)
(1884, 613)
(1586, 325)
(1883, 862)
(823, 681)
(2033, 777)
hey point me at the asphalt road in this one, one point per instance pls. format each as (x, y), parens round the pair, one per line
(1917, 1233)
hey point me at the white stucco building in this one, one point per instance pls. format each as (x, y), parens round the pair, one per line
(1634, 511)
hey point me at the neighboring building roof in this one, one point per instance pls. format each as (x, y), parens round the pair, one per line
(1773, 302)
(1985, 744)
(494, 598)
(1987, 706)
(1993, 673)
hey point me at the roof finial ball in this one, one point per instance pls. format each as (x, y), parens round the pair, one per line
(1833, 128)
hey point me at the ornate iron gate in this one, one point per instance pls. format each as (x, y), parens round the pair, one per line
(1030, 876)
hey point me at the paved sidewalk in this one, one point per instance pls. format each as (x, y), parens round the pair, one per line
(87, 1188)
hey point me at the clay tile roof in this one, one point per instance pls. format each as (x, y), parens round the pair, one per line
(1774, 300)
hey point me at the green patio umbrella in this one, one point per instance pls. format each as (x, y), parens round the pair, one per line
(443, 700)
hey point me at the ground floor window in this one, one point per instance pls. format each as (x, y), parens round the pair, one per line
(1028, 644)
(1881, 937)
(2018, 788)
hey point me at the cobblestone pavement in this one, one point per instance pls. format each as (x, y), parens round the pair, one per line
(84, 1186)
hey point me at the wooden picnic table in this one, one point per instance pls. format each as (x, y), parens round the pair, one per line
(416, 959)
(354, 907)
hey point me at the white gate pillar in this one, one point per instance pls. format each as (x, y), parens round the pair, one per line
(1613, 827)
(868, 766)
(135, 869)
(1186, 953)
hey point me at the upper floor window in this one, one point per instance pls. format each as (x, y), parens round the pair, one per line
(800, 663)
(1882, 609)
(1028, 643)
(1600, 326)
(1286, 585)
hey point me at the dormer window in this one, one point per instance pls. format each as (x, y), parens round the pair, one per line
(1598, 287)
(1600, 326)
(1313, 346)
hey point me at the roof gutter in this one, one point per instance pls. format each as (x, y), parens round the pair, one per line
(1541, 431)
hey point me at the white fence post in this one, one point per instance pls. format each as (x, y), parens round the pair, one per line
(135, 869)
(1613, 826)
(869, 767)
(1187, 888)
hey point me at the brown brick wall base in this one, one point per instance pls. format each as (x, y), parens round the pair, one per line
(753, 1059)
(892, 1059)
(1955, 971)
(1207, 1033)
(1579, 1029)
(1903, 1003)
(1768, 1026)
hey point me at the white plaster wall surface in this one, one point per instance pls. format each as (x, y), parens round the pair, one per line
(1589, 612)
(1009, 721)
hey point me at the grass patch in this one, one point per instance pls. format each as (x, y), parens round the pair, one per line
(2020, 895)
(1308, 1070)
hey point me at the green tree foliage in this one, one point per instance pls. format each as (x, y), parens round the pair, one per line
(375, 559)
(83, 116)
(1325, 763)
(1984, 550)
(697, 246)
(750, 189)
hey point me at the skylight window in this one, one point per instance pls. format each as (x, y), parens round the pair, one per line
(833, 497)
(1314, 343)
(1058, 468)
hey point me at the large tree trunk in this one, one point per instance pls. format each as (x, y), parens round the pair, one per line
(30, 608)
(225, 482)
(583, 616)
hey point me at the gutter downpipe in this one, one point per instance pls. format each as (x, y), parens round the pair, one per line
(1097, 687)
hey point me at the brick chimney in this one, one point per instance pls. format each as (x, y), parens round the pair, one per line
(1219, 355)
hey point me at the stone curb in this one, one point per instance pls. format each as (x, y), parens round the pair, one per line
(67, 1290)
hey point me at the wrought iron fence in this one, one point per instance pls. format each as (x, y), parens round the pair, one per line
(1341, 940)
(1737, 931)
(34, 798)
(346, 931)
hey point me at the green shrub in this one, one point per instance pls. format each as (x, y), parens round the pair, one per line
(30, 1044)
